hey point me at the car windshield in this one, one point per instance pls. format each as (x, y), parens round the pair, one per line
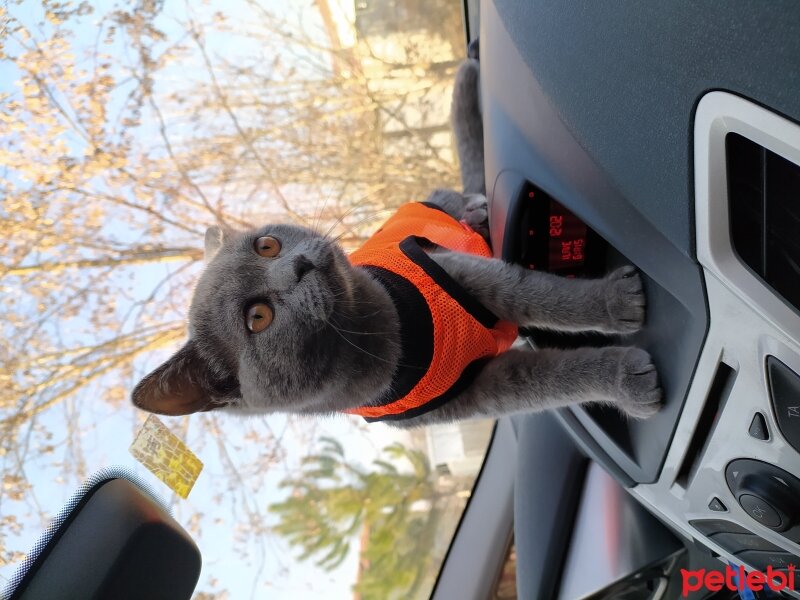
(127, 130)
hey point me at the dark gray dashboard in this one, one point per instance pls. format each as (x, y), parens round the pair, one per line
(623, 113)
(624, 78)
(527, 140)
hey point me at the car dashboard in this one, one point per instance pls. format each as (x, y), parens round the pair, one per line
(666, 137)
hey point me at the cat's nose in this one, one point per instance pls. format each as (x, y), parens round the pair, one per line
(301, 266)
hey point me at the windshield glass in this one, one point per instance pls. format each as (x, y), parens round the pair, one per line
(127, 130)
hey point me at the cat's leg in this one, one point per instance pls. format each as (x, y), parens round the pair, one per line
(613, 304)
(521, 381)
(470, 208)
(450, 201)
(467, 122)
(476, 214)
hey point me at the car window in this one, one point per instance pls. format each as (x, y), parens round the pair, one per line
(127, 130)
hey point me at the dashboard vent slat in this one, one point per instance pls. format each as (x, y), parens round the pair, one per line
(764, 201)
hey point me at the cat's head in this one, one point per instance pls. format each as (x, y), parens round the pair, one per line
(269, 327)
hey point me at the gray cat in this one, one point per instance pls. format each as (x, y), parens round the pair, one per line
(282, 321)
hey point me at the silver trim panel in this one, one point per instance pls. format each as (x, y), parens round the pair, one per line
(748, 321)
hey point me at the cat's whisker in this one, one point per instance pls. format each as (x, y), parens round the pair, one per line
(360, 316)
(345, 301)
(340, 328)
(320, 215)
(347, 231)
(368, 218)
(340, 219)
(349, 211)
(353, 300)
(348, 302)
(357, 347)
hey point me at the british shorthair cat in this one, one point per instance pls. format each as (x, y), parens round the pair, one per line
(413, 328)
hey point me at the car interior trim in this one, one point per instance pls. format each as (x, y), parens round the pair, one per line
(766, 326)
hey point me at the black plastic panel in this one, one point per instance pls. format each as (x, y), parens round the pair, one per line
(784, 389)
(545, 236)
(526, 139)
(712, 527)
(118, 544)
(763, 192)
(739, 542)
(733, 537)
(761, 560)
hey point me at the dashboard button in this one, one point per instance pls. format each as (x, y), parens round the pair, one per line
(712, 526)
(760, 510)
(751, 481)
(738, 542)
(784, 389)
(716, 505)
(761, 560)
(758, 427)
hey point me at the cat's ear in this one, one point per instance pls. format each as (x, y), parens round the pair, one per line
(178, 387)
(214, 238)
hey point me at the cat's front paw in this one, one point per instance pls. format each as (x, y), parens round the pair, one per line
(625, 300)
(638, 392)
(476, 215)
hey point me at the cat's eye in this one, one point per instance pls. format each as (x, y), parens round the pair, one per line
(258, 317)
(267, 246)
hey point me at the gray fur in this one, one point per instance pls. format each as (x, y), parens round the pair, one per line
(529, 381)
(213, 241)
(467, 125)
(614, 304)
(334, 342)
(524, 381)
(476, 214)
(471, 208)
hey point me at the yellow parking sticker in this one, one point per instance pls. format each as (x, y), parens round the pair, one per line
(166, 456)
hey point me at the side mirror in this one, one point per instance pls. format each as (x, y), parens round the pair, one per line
(113, 540)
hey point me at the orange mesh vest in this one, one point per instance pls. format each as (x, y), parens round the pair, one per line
(446, 334)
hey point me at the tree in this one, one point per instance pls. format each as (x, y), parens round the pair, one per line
(395, 512)
(127, 133)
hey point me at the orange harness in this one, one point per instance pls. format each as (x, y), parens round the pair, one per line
(446, 334)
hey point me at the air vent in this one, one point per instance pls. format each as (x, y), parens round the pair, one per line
(764, 201)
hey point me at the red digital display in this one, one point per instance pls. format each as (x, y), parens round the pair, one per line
(555, 240)
(567, 235)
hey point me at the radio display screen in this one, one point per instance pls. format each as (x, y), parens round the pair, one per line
(567, 235)
(553, 239)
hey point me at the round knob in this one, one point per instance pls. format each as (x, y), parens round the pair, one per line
(767, 501)
(761, 510)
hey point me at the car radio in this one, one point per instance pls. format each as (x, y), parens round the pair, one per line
(551, 238)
